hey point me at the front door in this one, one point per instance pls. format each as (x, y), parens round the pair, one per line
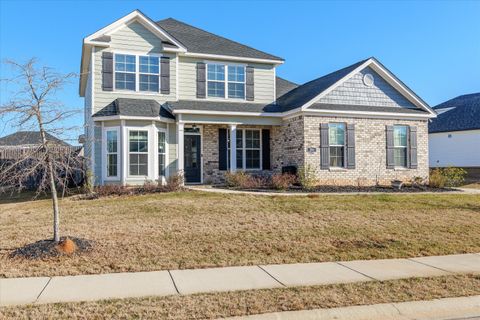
(192, 162)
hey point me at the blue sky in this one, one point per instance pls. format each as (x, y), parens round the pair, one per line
(434, 47)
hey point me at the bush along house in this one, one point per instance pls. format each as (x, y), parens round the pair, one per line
(165, 97)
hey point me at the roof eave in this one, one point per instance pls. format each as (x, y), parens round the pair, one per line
(232, 58)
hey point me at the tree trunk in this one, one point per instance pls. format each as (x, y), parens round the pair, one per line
(53, 189)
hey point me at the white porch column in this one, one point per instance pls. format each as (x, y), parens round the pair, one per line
(180, 136)
(233, 147)
(124, 152)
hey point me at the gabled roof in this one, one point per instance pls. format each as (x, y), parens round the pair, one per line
(299, 96)
(462, 113)
(134, 108)
(29, 138)
(196, 40)
(283, 86)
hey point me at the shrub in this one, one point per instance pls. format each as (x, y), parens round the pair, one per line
(446, 177)
(282, 181)
(174, 183)
(307, 178)
(111, 190)
(149, 187)
(242, 180)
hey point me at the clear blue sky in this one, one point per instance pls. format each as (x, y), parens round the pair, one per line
(434, 47)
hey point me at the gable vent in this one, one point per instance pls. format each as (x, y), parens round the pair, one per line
(368, 79)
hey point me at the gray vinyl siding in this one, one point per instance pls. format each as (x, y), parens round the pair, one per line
(135, 39)
(264, 78)
(355, 92)
(172, 149)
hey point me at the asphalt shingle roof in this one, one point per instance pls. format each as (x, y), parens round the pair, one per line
(134, 107)
(283, 86)
(222, 106)
(200, 41)
(29, 138)
(464, 115)
(342, 107)
(306, 92)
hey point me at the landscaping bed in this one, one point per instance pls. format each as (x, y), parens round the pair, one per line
(181, 230)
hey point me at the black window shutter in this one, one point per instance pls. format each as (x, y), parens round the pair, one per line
(324, 147)
(222, 149)
(265, 149)
(413, 148)
(165, 75)
(350, 146)
(390, 148)
(249, 83)
(107, 71)
(201, 80)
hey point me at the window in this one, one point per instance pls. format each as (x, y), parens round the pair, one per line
(161, 153)
(219, 86)
(336, 138)
(248, 149)
(149, 73)
(138, 152)
(125, 72)
(400, 146)
(216, 80)
(236, 82)
(112, 152)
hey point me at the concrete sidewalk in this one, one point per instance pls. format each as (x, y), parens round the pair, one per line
(448, 308)
(18, 291)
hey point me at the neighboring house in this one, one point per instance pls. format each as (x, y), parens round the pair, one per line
(29, 138)
(454, 136)
(165, 97)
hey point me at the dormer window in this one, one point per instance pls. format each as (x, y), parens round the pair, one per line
(231, 86)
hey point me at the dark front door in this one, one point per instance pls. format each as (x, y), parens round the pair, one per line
(192, 158)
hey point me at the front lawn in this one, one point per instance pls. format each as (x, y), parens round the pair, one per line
(195, 230)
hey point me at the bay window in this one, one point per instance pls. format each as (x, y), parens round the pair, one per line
(138, 152)
(220, 86)
(248, 149)
(336, 139)
(400, 146)
(111, 152)
(161, 153)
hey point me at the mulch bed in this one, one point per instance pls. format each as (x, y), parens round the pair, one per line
(348, 189)
(48, 248)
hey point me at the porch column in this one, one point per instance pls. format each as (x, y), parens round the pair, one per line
(233, 147)
(180, 136)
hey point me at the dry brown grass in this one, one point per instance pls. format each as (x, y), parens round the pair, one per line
(194, 230)
(210, 306)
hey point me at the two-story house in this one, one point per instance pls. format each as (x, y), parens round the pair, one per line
(166, 97)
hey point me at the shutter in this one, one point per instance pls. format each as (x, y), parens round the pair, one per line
(201, 80)
(324, 147)
(107, 71)
(165, 75)
(222, 149)
(390, 152)
(350, 146)
(249, 84)
(265, 149)
(413, 148)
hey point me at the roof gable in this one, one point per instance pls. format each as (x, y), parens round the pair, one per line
(460, 114)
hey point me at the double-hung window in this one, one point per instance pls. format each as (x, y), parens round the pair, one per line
(336, 138)
(400, 146)
(138, 152)
(161, 153)
(149, 73)
(248, 149)
(111, 152)
(231, 86)
(125, 72)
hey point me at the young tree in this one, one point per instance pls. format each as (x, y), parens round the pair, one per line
(33, 105)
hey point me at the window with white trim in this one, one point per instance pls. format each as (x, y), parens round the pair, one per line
(336, 140)
(400, 146)
(249, 149)
(231, 86)
(111, 152)
(149, 73)
(125, 72)
(161, 153)
(138, 152)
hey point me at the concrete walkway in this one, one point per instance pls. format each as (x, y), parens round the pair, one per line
(448, 308)
(17, 291)
(204, 188)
